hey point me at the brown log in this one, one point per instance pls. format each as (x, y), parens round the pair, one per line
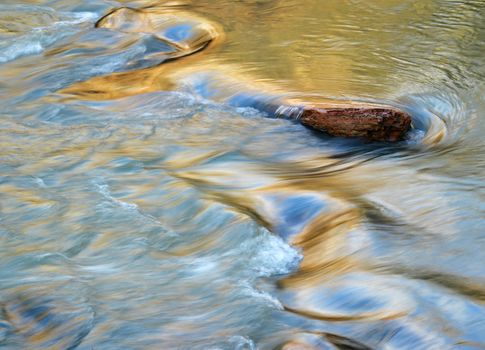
(373, 122)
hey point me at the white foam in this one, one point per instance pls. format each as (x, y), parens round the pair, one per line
(264, 297)
(38, 38)
(104, 190)
(203, 265)
(242, 343)
(20, 48)
(274, 256)
(101, 268)
(39, 182)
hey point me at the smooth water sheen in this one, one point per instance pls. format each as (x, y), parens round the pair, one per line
(138, 210)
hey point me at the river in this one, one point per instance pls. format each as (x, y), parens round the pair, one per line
(141, 210)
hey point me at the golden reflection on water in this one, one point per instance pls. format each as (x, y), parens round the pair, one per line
(117, 199)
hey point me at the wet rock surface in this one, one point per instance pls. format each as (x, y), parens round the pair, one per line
(373, 123)
(169, 34)
(376, 123)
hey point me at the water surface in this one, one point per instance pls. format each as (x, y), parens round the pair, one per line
(140, 210)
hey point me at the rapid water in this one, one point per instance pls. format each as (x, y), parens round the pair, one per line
(140, 210)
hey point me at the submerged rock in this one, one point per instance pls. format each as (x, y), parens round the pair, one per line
(170, 34)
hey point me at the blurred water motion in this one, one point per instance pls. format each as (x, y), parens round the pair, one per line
(138, 210)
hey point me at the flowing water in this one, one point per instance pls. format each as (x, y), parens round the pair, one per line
(141, 210)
